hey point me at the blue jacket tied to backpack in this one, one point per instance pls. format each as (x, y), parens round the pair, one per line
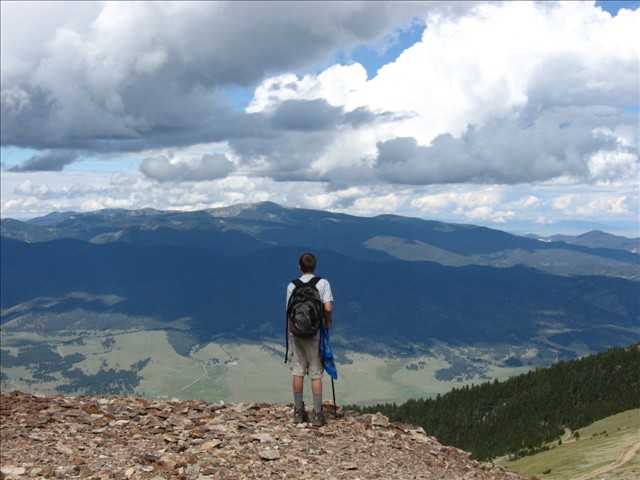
(327, 355)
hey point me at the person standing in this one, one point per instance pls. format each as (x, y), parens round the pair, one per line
(304, 357)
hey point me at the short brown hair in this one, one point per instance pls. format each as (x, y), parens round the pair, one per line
(307, 263)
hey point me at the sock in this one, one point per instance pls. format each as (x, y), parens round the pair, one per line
(298, 400)
(317, 402)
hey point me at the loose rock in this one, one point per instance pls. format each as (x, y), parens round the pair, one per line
(52, 436)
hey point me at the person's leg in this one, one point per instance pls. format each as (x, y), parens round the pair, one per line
(315, 370)
(299, 412)
(317, 417)
(298, 389)
(297, 365)
(316, 386)
(316, 389)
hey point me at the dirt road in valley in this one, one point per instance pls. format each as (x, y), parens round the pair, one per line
(625, 457)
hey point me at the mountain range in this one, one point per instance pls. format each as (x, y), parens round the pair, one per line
(397, 278)
(399, 282)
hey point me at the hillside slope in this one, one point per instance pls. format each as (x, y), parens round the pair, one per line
(132, 438)
(605, 450)
(518, 416)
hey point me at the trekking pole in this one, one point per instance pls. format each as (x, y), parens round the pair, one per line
(335, 407)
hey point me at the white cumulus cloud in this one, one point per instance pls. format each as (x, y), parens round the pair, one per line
(500, 112)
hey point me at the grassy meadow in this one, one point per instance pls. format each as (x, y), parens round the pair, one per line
(244, 372)
(596, 448)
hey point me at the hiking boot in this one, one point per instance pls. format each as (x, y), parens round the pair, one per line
(317, 419)
(300, 415)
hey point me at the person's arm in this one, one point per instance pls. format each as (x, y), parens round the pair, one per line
(328, 314)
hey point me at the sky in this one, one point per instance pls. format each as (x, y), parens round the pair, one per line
(520, 116)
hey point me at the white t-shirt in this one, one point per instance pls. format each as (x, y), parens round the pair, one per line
(323, 288)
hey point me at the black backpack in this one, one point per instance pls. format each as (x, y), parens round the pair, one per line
(304, 310)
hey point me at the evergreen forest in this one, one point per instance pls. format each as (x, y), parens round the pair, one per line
(518, 416)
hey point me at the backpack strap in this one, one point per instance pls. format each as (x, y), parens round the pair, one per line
(296, 282)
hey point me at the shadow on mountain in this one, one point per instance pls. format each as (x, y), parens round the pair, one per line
(396, 302)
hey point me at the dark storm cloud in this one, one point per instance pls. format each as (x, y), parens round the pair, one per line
(143, 75)
(557, 143)
(306, 115)
(287, 141)
(54, 161)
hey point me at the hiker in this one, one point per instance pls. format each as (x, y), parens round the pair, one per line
(305, 342)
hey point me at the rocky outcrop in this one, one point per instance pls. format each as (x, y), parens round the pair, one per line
(134, 438)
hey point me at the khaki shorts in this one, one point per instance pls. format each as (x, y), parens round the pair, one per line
(304, 357)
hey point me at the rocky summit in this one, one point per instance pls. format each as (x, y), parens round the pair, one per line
(54, 436)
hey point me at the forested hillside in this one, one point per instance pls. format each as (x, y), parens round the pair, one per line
(519, 415)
